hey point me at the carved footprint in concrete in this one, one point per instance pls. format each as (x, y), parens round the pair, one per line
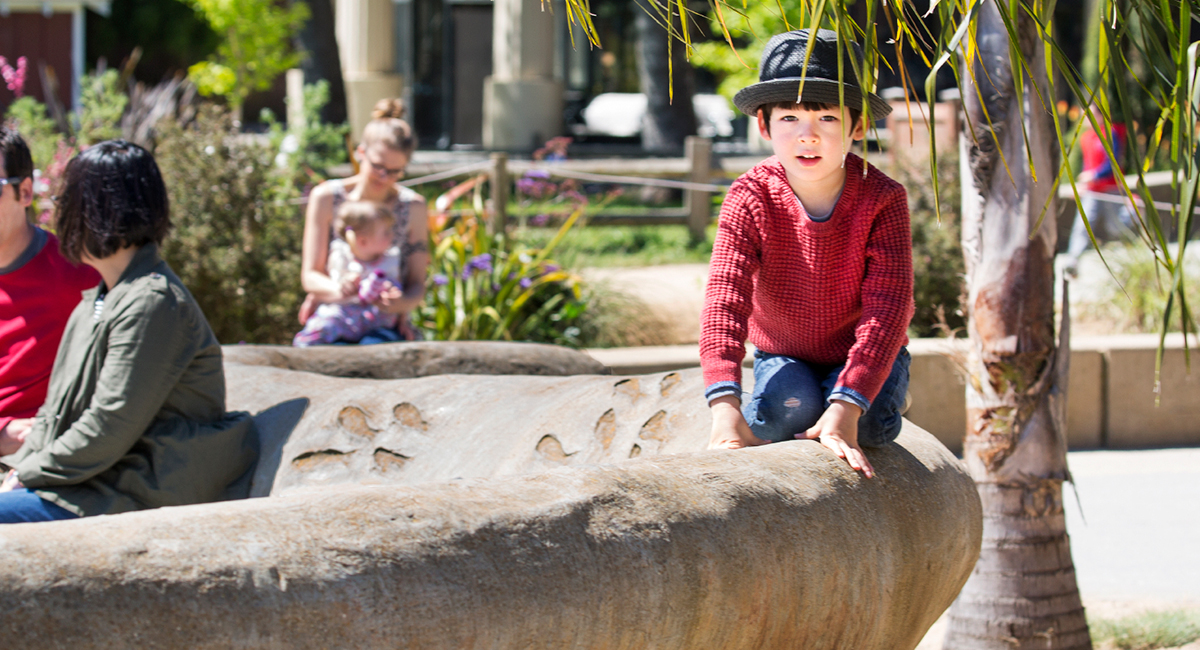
(354, 420)
(551, 449)
(668, 384)
(312, 460)
(387, 460)
(654, 430)
(631, 388)
(606, 429)
(408, 415)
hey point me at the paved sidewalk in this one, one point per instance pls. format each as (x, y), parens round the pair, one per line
(1139, 548)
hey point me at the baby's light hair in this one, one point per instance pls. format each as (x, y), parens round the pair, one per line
(362, 216)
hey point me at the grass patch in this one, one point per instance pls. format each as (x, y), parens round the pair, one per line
(1147, 631)
(608, 246)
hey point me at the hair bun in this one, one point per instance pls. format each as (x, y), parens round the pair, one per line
(392, 107)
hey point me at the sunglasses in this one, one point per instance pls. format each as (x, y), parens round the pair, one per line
(15, 180)
(384, 170)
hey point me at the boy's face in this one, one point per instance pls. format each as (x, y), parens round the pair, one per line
(812, 145)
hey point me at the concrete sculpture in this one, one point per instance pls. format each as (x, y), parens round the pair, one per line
(506, 513)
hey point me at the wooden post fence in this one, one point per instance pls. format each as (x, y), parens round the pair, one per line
(698, 204)
(500, 180)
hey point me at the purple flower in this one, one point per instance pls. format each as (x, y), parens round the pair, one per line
(550, 268)
(440, 280)
(525, 283)
(535, 183)
(539, 220)
(481, 263)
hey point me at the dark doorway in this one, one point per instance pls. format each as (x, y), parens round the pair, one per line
(43, 41)
(472, 62)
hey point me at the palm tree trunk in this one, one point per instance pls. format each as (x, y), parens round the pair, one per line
(1022, 593)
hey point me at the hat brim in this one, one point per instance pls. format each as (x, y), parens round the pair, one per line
(825, 91)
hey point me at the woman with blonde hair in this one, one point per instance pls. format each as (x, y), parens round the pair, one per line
(383, 154)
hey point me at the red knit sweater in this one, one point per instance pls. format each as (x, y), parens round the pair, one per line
(832, 292)
(35, 302)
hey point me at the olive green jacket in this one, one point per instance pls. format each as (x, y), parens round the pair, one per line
(134, 416)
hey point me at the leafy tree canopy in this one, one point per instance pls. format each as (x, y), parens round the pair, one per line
(256, 46)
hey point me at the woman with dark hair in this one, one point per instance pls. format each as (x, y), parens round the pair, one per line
(385, 151)
(134, 416)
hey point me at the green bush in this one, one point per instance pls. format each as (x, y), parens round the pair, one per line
(101, 105)
(238, 226)
(28, 117)
(938, 280)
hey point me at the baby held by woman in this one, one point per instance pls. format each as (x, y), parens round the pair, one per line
(364, 256)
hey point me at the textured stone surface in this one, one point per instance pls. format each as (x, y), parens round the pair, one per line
(411, 431)
(506, 513)
(420, 359)
(773, 547)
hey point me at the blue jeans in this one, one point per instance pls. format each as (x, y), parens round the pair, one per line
(21, 506)
(790, 395)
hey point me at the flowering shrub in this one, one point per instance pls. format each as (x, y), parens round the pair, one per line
(484, 287)
(14, 78)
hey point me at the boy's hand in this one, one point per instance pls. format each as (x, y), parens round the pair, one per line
(729, 429)
(838, 430)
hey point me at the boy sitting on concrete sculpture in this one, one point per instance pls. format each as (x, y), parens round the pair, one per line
(812, 264)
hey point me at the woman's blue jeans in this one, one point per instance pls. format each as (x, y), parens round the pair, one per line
(790, 395)
(21, 506)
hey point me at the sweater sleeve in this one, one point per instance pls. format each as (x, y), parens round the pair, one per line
(728, 297)
(148, 348)
(887, 303)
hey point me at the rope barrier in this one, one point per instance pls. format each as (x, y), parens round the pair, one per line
(625, 180)
(450, 173)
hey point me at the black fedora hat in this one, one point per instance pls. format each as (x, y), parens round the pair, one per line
(782, 67)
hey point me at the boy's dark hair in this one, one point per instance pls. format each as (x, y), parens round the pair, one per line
(855, 112)
(112, 196)
(17, 161)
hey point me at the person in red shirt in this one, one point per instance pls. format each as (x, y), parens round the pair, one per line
(38, 291)
(1102, 199)
(812, 264)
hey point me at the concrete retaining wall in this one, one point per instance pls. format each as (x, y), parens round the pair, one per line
(1111, 400)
